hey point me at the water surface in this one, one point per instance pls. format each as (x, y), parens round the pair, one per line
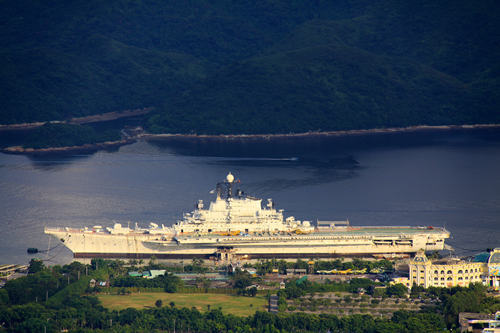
(443, 179)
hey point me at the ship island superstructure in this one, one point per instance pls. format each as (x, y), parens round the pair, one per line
(239, 226)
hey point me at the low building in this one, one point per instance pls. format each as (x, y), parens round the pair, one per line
(401, 280)
(11, 272)
(449, 272)
(209, 276)
(251, 271)
(296, 271)
(479, 322)
(153, 273)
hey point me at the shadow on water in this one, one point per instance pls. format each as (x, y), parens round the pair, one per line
(325, 159)
(315, 178)
(291, 146)
(332, 156)
(56, 162)
(313, 162)
(330, 145)
(313, 170)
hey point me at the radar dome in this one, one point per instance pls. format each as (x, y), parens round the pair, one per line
(229, 178)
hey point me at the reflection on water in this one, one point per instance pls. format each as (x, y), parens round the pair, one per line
(55, 162)
(320, 146)
(320, 162)
(443, 179)
(281, 184)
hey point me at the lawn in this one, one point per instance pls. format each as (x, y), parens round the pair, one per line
(236, 305)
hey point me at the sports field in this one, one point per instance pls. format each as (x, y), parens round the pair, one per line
(237, 305)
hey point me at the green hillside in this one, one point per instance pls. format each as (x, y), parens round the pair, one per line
(330, 87)
(221, 66)
(98, 75)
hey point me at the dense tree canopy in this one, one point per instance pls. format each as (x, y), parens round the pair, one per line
(24, 307)
(252, 66)
(61, 135)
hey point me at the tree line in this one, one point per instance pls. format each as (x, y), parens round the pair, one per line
(66, 135)
(54, 299)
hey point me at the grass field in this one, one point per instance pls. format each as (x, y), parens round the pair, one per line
(237, 305)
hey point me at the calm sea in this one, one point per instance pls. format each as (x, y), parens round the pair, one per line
(447, 179)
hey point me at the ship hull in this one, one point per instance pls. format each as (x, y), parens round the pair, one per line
(362, 242)
(238, 226)
(179, 256)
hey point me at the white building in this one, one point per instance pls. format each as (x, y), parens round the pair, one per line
(448, 272)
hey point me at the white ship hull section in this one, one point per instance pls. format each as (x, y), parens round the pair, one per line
(145, 245)
(245, 226)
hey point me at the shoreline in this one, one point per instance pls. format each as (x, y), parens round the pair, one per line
(318, 134)
(102, 117)
(87, 148)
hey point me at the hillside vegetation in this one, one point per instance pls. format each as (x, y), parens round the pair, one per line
(64, 135)
(279, 66)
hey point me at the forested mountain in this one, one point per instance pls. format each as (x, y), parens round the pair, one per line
(221, 66)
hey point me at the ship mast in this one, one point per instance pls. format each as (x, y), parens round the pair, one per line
(229, 184)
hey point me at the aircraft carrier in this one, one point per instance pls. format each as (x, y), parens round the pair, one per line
(239, 226)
